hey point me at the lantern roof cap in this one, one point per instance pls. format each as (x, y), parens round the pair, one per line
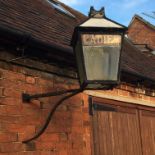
(98, 19)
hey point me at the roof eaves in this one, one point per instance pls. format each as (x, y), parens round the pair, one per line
(16, 32)
(138, 74)
(21, 40)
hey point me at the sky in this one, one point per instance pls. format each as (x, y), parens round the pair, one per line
(121, 11)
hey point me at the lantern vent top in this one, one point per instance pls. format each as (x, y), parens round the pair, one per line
(96, 14)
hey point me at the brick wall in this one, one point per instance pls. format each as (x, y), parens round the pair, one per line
(141, 33)
(69, 131)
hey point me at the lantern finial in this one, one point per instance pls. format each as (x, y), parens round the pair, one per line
(97, 14)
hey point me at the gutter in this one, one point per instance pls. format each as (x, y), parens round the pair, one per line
(140, 77)
(20, 40)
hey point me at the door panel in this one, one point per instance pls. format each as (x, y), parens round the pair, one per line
(147, 124)
(117, 133)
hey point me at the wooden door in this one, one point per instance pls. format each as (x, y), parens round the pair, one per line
(147, 126)
(116, 131)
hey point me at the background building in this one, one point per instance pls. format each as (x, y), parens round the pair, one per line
(142, 33)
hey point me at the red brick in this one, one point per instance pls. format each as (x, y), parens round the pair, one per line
(30, 119)
(48, 153)
(33, 109)
(76, 116)
(152, 99)
(11, 147)
(23, 120)
(133, 95)
(26, 135)
(12, 93)
(69, 118)
(32, 89)
(77, 129)
(30, 80)
(1, 91)
(26, 153)
(76, 138)
(9, 119)
(10, 101)
(59, 86)
(43, 82)
(61, 146)
(75, 101)
(76, 152)
(11, 84)
(130, 88)
(112, 92)
(45, 146)
(47, 137)
(12, 76)
(123, 93)
(17, 128)
(8, 137)
(10, 110)
(63, 152)
(122, 86)
(59, 125)
(63, 136)
(146, 98)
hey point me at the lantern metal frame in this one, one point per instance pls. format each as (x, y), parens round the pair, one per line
(78, 32)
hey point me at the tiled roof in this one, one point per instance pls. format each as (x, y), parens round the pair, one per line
(51, 26)
(136, 62)
(40, 19)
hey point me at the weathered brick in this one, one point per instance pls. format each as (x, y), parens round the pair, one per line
(12, 93)
(76, 152)
(147, 98)
(17, 128)
(30, 146)
(45, 82)
(63, 136)
(130, 88)
(30, 80)
(12, 76)
(63, 152)
(10, 101)
(24, 120)
(47, 137)
(11, 147)
(48, 153)
(7, 137)
(46, 146)
(10, 110)
(26, 135)
(33, 109)
(1, 91)
(123, 93)
(9, 119)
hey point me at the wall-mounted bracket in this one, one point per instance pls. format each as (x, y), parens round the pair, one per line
(27, 97)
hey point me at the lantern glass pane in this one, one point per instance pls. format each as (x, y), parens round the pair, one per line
(101, 57)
